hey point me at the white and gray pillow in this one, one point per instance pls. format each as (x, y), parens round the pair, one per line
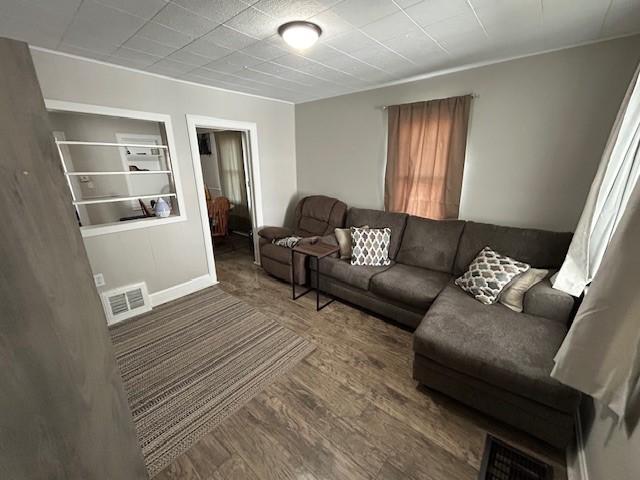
(513, 295)
(488, 274)
(343, 236)
(370, 246)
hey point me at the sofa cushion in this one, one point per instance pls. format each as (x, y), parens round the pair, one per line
(430, 243)
(357, 276)
(413, 286)
(319, 215)
(309, 226)
(538, 248)
(357, 217)
(512, 351)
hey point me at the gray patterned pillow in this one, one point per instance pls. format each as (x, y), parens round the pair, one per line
(287, 242)
(489, 274)
(370, 246)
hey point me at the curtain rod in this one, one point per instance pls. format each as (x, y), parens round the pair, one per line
(472, 95)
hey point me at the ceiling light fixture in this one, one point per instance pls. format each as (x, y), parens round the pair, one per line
(300, 35)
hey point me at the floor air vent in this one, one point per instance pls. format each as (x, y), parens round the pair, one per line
(125, 302)
(503, 462)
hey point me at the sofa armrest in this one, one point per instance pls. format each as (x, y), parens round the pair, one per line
(543, 300)
(273, 233)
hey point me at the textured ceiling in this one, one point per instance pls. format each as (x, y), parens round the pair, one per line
(233, 43)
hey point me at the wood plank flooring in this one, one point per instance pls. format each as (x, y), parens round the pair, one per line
(348, 411)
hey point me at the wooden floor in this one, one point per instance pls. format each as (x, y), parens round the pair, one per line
(231, 243)
(348, 411)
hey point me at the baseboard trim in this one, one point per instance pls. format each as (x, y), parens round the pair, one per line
(177, 291)
(576, 457)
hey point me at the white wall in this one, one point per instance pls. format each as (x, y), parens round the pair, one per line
(610, 447)
(169, 255)
(536, 133)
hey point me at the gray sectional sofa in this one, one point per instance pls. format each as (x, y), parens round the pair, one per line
(487, 356)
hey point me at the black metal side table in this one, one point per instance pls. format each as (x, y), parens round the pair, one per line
(318, 251)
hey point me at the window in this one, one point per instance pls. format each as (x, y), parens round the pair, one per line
(119, 165)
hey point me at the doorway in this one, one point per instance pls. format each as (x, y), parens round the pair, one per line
(225, 161)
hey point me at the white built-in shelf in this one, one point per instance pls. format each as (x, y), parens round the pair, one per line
(131, 172)
(153, 152)
(94, 201)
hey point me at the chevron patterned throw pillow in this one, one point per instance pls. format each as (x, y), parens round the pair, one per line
(370, 246)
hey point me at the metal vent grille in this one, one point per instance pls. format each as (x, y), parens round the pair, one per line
(118, 304)
(125, 302)
(135, 298)
(503, 462)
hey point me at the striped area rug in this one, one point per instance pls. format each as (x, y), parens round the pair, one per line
(191, 363)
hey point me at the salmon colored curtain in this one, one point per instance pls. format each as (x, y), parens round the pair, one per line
(425, 157)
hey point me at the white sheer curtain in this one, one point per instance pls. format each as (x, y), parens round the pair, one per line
(231, 165)
(601, 354)
(617, 175)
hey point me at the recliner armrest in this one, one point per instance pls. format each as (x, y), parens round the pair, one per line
(274, 233)
(543, 300)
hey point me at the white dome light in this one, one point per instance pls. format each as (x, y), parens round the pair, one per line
(300, 35)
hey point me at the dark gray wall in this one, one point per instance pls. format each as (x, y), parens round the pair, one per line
(63, 410)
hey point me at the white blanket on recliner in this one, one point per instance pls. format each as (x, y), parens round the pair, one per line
(288, 242)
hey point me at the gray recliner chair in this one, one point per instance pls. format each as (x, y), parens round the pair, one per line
(315, 216)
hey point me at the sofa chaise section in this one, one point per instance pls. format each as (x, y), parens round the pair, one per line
(492, 358)
(459, 346)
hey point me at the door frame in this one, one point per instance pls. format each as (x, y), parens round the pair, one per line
(251, 161)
